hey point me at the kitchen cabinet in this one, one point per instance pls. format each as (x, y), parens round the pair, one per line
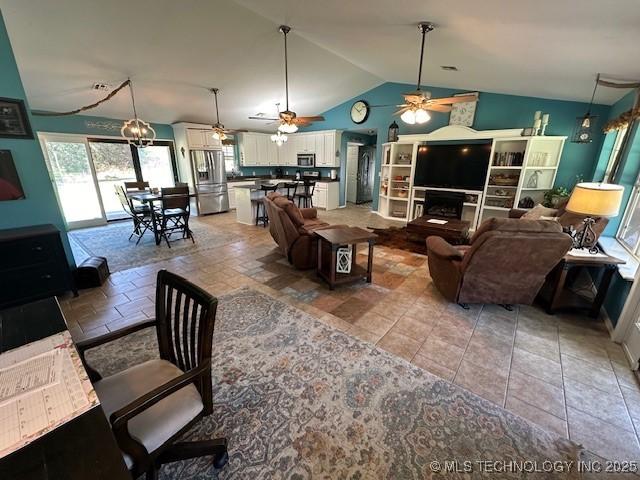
(231, 190)
(326, 195)
(249, 150)
(257, 150)
(199, 139)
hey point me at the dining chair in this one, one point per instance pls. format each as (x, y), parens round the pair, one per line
(151, 405)
(181, 184)
(174, 212)
(306, 196)
(291, 188)
(136, 186)
(140, 215)
(262, 216)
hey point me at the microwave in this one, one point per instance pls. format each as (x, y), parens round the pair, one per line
(306, 159)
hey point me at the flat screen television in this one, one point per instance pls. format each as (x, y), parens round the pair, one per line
(461, 166)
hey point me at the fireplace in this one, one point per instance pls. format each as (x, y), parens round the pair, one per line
(443, 204)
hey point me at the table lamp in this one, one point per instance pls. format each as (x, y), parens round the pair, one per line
(593, 200)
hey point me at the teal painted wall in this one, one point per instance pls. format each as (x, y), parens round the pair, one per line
(40, 205)
(494, 111)
(91, 125)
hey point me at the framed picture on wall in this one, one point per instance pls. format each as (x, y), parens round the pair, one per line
(10, 186)
(14, 122)
(463, 113)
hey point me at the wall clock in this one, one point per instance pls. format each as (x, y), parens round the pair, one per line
(360, 111)
(463, 113)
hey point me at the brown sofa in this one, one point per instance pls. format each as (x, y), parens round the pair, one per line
(506, 262)
(293, 229)
(568, 220)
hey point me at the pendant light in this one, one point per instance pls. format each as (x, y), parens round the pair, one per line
(585, 125)
(417, 114)
(136, 131)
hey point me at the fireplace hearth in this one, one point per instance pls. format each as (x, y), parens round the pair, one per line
(443, 204)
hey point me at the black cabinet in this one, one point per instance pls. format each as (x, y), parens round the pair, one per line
(33, 265)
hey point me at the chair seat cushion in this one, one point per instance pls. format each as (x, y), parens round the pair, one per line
(160, 422)
(173, 212)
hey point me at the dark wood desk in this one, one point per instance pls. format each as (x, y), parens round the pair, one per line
(83, 447)
(558, 298)
(454, 231)
(330, 240)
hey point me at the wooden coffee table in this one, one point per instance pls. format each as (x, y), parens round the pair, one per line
(454, 231)
(329, 241)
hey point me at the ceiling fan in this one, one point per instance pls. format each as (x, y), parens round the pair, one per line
(289, 121)
(417, 103)
(219, 131)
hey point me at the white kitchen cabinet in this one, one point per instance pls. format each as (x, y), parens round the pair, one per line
(249, 150)
(262, 142)
(273, 153)
(326, 195)
(200, 139)
(231, 190)
(331, 160)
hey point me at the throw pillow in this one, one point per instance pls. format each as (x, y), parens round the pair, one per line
(539, 211)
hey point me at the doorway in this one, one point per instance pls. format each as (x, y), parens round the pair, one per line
(360, 173)
(84, 172)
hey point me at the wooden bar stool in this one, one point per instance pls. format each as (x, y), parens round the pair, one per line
(306, 196)
(263, 217)
(291, 188)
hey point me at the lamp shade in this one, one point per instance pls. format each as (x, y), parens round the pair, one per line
(596, 199)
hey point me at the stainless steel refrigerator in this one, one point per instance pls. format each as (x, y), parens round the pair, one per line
(210, 181)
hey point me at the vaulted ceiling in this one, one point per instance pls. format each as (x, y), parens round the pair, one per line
(175, 51)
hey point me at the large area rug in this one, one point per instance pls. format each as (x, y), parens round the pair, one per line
(297, 399)
(112, 241)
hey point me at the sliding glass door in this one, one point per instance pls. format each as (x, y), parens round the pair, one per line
(113, 162)
(74, 180)
(86, 171)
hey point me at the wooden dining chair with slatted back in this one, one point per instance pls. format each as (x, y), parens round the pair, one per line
(151, 405)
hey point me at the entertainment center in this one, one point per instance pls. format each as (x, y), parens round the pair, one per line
(487, 171)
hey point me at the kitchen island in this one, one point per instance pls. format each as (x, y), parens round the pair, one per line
(326, 195)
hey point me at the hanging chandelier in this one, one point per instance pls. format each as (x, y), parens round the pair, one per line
(279, 138)
(136, 131)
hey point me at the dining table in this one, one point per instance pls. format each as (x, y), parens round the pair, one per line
(147, 197)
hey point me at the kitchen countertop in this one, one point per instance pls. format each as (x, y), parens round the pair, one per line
(268, 177)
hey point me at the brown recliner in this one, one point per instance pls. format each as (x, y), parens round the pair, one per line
(293, 229)
(506, 263)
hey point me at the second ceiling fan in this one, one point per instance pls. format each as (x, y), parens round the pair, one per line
(417, 103)
(289, 121)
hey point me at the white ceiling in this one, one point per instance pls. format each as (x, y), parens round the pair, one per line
(174, 51)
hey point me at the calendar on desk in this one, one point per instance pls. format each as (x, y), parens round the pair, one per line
(42, 385)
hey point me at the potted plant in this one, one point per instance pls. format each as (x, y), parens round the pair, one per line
(553, 197)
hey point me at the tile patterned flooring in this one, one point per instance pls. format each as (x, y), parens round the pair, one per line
(561, 372)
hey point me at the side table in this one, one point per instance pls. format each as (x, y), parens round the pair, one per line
(557, 297)
(329, 240)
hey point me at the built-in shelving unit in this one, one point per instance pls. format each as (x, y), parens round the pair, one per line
(519, 168)
(396, 179)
